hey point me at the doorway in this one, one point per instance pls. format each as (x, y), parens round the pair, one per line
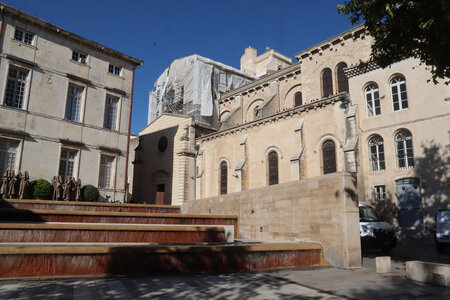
(160, 191)
(410, 202)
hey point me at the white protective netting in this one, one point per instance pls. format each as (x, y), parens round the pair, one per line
(191, 85)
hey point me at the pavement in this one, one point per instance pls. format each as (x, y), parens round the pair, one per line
(362, 283)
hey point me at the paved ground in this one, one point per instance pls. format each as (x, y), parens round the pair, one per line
(362, 283)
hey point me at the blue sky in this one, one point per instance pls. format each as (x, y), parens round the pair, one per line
(158, 32)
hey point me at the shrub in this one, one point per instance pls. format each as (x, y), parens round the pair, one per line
(41, 189)
(89, 193)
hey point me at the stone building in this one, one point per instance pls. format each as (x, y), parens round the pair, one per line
(65, 104)
(297, 149)
(404, 143)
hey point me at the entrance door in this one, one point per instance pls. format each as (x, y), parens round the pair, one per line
(410, 202)
(160, 190)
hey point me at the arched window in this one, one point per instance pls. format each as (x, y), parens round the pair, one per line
(223, 177)
(256, 112)
(329, 157)
(398, 90)
(298, 99)
(404, 146)
(372, 100)
(273, 168)
(327, 83)
(376, 152)
(342, 80)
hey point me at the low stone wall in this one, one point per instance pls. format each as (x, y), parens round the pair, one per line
(321, 209)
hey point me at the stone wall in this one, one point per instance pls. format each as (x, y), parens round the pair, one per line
(322, 209)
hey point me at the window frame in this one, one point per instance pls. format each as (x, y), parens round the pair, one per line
(23, 38)
(79, 57)
(325, 166)
(402, 103)
(295, 99)
(378, 157)
(326, 85)
(17, 153)
(117, 112)
(273, 178)
(75, 162)
(26, 82)
(374, 100)
(341, 79)
(114, 69)
(81, 102)
(223, 177)
(380, 193)
(404, 141)
(112, 180)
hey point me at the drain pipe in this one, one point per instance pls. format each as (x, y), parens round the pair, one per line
(196, 147)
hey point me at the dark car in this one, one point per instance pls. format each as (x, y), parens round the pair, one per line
(374, 232)
(442, 236)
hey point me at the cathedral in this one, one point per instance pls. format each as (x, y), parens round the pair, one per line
(292, 148)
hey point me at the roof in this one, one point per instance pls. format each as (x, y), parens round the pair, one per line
(6, 9)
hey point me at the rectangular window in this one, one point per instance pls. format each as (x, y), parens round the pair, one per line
(79, 57)
(110, 112)
(380, 193)
(8, 150)
(114, 69)
(15, 87)
(23, 36)
(106, 170)
(66, 163)
(74, 95)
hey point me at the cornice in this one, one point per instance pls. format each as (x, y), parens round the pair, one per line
(15, 13)
(331, 41)
(258, 84)
(314, 104)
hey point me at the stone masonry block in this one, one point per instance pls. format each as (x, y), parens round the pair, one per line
(383, 264)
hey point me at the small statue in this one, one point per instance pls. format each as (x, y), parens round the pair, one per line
(4, 186)
(12, 184)
(59, 188)
(24, 184)
(73, 189)
(66, 189)
(78, 190)
(54, 185)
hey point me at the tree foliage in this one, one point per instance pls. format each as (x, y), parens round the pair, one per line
(403, 29)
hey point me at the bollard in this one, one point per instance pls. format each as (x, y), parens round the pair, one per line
(383, 264)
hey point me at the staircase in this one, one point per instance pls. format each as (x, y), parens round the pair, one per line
(55, 238)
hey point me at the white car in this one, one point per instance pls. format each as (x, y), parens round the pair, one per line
(374, 232)
(442, 237)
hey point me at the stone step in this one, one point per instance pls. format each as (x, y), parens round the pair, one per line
(87, 206)
(81, 260)
(37, 215)
(104, 233)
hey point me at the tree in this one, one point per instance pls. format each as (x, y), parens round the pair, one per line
(403, 29)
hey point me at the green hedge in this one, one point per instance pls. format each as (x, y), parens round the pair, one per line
(41, 189)
(89, 193)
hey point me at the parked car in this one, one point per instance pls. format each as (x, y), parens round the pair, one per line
(442, 236)
(374, 232)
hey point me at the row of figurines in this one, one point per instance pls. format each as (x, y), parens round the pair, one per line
(68, 190)
(15, 186)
